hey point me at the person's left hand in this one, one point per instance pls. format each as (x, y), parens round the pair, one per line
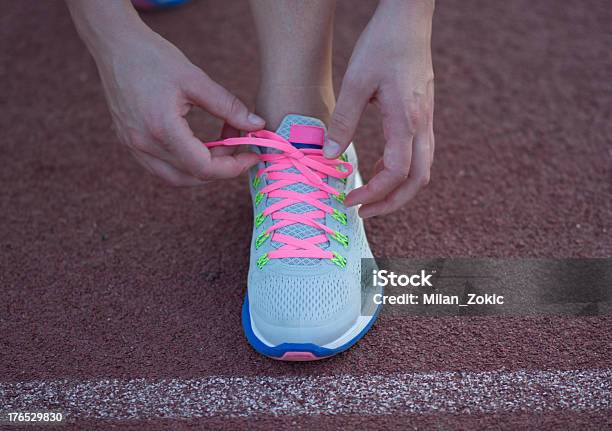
(391, 67)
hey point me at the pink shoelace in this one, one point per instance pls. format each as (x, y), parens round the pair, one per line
(312, 169)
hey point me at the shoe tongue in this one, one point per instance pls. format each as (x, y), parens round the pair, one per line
(306, 136)
(302, 131)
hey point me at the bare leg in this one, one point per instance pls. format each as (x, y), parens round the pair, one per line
(295, 40)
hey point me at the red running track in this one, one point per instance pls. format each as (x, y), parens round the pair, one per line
(107, 274)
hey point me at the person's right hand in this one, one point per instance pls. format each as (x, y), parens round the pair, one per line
(150, 86)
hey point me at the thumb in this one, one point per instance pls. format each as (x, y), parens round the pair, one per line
(226, 132)
(215, 99)
(351, 103)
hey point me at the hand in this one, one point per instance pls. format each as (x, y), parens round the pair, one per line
(150, 86)
(391, 67)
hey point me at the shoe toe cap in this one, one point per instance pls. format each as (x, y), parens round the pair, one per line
(303, 309)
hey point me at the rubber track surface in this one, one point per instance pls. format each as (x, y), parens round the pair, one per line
(108, 274)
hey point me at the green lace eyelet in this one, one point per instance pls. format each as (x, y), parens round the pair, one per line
(261, 262)
(258, 197)
(261, 238)
(339, 216)
(341, 238)
(259, 219)
(339, 260)
(256, 182)
(340, 198)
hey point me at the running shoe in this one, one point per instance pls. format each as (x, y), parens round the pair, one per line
(304, 291)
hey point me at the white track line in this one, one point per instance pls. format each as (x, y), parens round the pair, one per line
(222, 396)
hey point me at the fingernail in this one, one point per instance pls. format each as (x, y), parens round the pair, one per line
(331, 149)
(256, 120)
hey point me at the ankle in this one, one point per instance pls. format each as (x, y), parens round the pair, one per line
(275, 101)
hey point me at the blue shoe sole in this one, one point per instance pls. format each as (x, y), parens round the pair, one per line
(296, 351)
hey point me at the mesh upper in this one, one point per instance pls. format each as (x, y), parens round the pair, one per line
(285, 298)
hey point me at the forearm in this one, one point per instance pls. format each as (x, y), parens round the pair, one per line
(104, 25)
(423, 8)
(407, 28)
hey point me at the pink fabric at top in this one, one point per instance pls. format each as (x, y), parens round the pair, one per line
(306, 134)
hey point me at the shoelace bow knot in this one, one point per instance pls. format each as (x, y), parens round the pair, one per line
(312, 169)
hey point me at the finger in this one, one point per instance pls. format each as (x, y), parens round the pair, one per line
(195, 159)
(222, 167)
(229, 131)
(226, 132)
(248, 159)
(378, 166)
(185, 152)
(165, 171)
(430, 117)
(396, 159)
(353, 98)
(419, 177)
(217, 166)
(215, 99)
(432, 145)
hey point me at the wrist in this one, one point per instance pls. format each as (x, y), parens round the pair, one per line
(106, 26)
(412, 9)
(408, 22)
